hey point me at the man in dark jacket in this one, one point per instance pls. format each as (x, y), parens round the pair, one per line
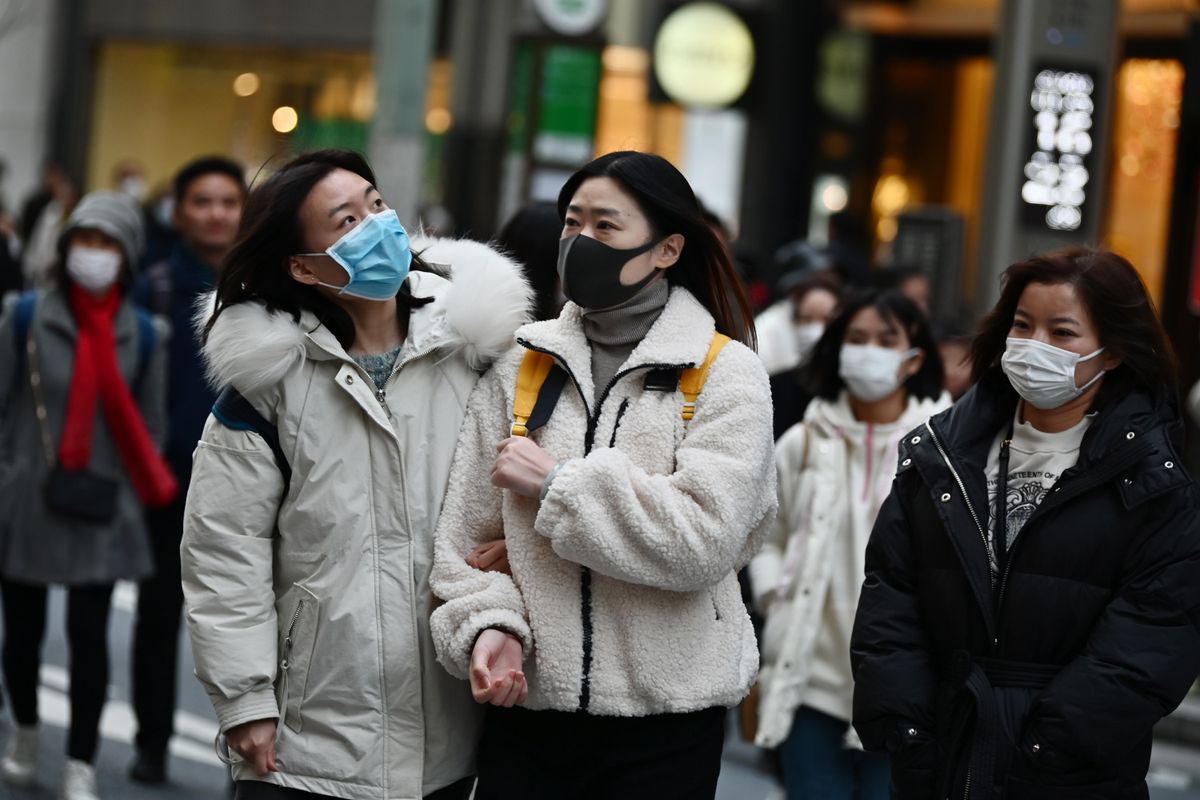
(1046, 680)
(209, 194)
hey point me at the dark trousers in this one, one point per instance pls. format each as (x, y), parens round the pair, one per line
(557, 755)
(87, 636)
(156, 633)
(258, 790)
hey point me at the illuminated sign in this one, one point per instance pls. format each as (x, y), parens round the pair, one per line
(571, 17)
(1059, 166)
(704, 56)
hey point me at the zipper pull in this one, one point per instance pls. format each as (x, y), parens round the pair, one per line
(381, 396)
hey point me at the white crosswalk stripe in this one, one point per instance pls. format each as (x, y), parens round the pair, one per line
(193, 738)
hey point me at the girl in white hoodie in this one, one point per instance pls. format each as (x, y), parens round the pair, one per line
(876, 373)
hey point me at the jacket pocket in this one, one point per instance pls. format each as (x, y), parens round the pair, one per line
(297, 639)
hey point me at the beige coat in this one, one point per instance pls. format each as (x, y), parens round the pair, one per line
(332, 578)
(623, 586)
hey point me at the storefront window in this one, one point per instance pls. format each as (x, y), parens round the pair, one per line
(1145, 129)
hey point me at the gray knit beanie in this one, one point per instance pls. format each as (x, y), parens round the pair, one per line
(113, 213)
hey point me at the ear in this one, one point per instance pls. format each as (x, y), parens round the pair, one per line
(300, 271)
(1110, 362)
(914, 365)
(666, 253)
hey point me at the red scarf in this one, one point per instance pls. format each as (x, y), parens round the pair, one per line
(97, 376)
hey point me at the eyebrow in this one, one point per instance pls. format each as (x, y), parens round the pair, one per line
(1057, 320)
(344, 206)
(600, 212)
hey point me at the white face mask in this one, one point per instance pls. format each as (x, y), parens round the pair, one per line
(94, 269)
(1042, 374)
(872, 373)
(807, 336)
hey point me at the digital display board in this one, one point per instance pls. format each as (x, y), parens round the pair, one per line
(1062, 108)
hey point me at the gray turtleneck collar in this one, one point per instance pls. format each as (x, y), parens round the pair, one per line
(614, 332)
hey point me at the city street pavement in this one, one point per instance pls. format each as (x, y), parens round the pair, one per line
(196, 774)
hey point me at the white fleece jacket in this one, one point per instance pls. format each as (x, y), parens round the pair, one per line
(623, 587)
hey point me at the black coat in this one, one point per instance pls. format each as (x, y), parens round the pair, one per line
(1048, 687)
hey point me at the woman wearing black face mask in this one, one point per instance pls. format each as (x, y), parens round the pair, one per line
(633, 489)
(1030, 605)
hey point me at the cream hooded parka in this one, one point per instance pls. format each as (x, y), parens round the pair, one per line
(312, 605)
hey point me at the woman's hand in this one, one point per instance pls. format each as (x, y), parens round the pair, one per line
(521, 466)
(490, 557)
(255, 742)
(496, 675)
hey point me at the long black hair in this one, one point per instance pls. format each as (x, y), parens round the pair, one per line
(705, 267)
(822, 374)
(256, 269)
(1116, 300)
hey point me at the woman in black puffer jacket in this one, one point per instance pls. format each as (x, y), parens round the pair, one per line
(1034, 664)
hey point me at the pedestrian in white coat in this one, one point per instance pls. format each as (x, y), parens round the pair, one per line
(877, 374)
(307, 598)
(621, 630)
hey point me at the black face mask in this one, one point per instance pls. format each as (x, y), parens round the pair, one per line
(590, 272)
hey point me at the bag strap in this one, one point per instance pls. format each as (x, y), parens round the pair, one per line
(691, 380)
(235, 412)
(147, 340)
(22, 322)
(535, 368)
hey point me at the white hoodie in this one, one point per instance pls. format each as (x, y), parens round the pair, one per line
(834, 474)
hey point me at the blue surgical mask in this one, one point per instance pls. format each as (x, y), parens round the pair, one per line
(376, 256)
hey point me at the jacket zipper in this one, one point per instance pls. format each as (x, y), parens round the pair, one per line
(285, 666)
(585, 580)
(987, 546)
(962, 488)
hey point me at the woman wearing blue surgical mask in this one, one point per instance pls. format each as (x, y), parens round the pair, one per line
(345, 352)
(1030, 606)
(876, 373)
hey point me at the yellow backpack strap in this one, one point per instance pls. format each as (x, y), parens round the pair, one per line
(535, 366)
(691, 381)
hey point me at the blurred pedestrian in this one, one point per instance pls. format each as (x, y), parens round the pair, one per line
(814, 303)
(308, 533)
(784, 331)
(624, 517)
(955, 346)
(531, 237)
(42, 223)
(876, 373)
(81, 384)
(1030, 606)
(849, 248)
(209, 195)
(909, 279)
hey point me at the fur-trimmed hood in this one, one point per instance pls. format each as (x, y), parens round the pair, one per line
(480, 298)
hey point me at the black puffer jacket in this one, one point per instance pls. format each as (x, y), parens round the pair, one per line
(1048, 685)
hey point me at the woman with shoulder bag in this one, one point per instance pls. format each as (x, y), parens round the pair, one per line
(1030, 606)
(308, 534)
(81, 382)
(876, 374)
(630, 478)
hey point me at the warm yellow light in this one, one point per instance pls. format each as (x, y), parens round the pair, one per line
(285, 119)
(438, 121)
(886, 229)
(1131, 165)
(246, 84)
